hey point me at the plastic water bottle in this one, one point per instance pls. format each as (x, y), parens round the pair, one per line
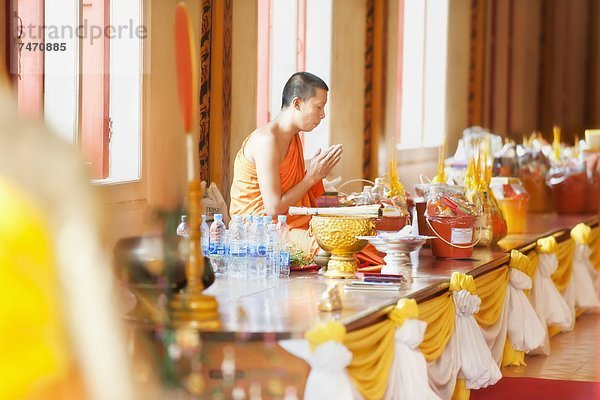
(272, 251)
(284, 245)
(182, 228)
(183, 246)
(205, 236)
(267, 220)
(218, 244)
(261, 249)
(251, 238)
(237, 247)
(256, 263)
(247, 223)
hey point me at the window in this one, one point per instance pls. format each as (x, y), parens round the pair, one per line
(86, 82)
(306, 25)
(421, 79)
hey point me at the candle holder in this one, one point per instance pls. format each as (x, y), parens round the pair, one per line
(397, 249)
(190, 307)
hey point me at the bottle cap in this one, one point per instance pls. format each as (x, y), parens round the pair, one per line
(183, 218)
(218, 216)
(282, 218)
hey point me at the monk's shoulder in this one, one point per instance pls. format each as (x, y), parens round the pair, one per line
(263, 140)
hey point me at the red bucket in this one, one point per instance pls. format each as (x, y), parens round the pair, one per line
(455, 236)
(569, 193)
(593, 197)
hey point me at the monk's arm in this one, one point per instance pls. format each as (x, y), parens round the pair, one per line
(267, 171)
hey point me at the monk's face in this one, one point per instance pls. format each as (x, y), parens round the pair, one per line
(311, 112)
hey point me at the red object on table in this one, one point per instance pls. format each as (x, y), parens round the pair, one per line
(593, 195)
(391, 223)
(569, 192)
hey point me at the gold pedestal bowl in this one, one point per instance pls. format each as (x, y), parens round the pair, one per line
(338, 236)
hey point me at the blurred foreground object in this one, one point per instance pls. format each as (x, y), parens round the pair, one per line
(60, 336)
(190, 307)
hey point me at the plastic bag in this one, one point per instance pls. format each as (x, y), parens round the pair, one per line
(214, 203)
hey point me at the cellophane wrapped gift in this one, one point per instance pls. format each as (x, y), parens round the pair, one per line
(533, 168)
(491, 223)
(506, 162)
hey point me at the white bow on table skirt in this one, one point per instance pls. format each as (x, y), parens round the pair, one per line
(549, 305)
(328, 378)
(525, 330)
(467, 354)
(582, 281)
(408, 374)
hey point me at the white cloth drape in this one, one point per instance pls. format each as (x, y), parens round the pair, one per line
(495, 335)
(467, 354)
(595, 278)
(328, 378)
(408, 374)
(549, 305)
(583, 281)
(442, 372)
(525, 330)
(476, 363)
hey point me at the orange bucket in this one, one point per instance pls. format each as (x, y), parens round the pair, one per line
(454, 236)
(391, 223)
(515, 212)
(421, 221)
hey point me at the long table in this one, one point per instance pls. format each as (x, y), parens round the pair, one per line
(257, 313)
(287, 307)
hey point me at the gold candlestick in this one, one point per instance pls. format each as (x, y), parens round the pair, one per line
(190, 307)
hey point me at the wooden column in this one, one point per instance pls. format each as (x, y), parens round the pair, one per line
(215, 93)
(375, 68)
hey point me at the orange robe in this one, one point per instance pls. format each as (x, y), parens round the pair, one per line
(246, 198)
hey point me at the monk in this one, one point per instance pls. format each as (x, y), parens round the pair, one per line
(269, 170)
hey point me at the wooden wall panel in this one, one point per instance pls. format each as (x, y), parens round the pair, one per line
(525, 70)
(575, 22)
(245, 76)
(205, 88)
(537, 56)
(476, 60)
(220, 95)
(593, 94)
(346, 97)
(375, 77)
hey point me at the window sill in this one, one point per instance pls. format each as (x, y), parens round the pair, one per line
(417, 155)
(121, 191)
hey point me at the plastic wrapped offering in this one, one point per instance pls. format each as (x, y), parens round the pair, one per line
(513, 199)
(451, 219)
(533, 168)
(506, 162)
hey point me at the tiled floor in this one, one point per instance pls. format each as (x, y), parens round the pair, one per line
(575, 355)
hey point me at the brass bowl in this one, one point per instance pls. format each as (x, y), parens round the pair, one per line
(338, 236)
